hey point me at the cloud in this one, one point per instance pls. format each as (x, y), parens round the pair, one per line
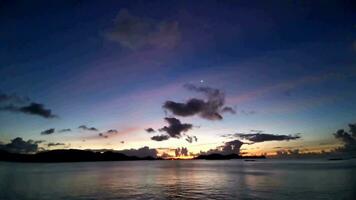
(18, 145)
(86, 128)
(53, 130)
(141, 152)
(353, 129)
(175, 128)
(31, 109)
(135, 32)
(211, 108)
(150, 130)
(259, 136)
(231, 147)
(191, 139)
(181, 152)
(263, 137)
(108, 133)
(51, 144)
(48, 131)
(160, 137)
(37, 109)
(65, 130)
(348, 139)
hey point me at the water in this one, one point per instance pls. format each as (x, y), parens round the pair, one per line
(233, 179)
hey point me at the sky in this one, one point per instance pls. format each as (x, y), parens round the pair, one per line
(261, 76)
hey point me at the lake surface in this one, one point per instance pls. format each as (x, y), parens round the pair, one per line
(199, 179)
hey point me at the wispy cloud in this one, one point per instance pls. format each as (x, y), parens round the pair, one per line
(135, 32)
(108, 133)
(86, 128)
(48, 131)
(257, 136)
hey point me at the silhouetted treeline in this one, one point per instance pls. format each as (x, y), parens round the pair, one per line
(71, 155)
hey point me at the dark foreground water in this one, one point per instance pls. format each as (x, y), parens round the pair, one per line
(234, 179)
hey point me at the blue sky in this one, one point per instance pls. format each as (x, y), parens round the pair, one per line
(286, 67)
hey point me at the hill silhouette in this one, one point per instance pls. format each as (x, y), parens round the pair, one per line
(70, 155)
(76, 155)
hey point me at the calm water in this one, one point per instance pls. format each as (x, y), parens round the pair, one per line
(235, 179)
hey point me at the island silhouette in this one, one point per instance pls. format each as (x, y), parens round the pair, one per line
(76, 155)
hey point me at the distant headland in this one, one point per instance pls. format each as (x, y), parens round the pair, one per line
(75, 155)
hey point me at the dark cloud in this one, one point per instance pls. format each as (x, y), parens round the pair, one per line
(181, 152)
(48, 131)
(231, 147)
(14, 103)
(31, 109)
(347, 138)
(353, 129)
(160, 137)
(86, 128)
(258, 136)
(150, 130)
(18, 145)
(175, 128)
(65, 130)
(137, 32)
(141, 152)
(37, 109)
(262, 137)
(211, 108)
(51, 144)
(191, 139)
(108, 133)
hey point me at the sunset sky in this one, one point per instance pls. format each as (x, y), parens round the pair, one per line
(228, 70)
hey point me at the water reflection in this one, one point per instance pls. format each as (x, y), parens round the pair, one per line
(233, 179)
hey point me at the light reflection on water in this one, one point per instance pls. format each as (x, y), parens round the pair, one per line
(234, 179)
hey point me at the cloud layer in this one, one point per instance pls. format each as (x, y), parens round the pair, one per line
(256, 136)
(263, 137)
